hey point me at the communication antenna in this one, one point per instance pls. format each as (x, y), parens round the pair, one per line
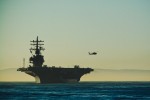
(23, 62)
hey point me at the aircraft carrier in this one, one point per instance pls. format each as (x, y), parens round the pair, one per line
(50, 74)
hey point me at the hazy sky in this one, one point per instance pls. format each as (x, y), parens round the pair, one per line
(118, 29)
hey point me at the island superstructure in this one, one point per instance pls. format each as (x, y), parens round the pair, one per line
(50, 74)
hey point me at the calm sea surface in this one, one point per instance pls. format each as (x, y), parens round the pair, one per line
(76, 91)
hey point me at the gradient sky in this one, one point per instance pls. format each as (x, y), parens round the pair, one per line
(118, 29)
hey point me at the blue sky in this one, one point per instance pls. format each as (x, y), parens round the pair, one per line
(118, 29)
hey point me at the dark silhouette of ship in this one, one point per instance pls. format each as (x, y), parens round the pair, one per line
(45, 74)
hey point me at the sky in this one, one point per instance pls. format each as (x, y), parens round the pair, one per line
(119, 30)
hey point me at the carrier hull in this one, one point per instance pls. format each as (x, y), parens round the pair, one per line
(56, 75)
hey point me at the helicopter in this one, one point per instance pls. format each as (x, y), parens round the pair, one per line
(92, 53)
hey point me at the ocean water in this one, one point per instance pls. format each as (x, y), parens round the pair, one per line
(75, 91)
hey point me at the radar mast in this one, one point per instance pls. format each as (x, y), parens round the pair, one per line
(37, 59)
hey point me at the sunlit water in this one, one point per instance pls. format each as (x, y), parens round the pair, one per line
(76, 91)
